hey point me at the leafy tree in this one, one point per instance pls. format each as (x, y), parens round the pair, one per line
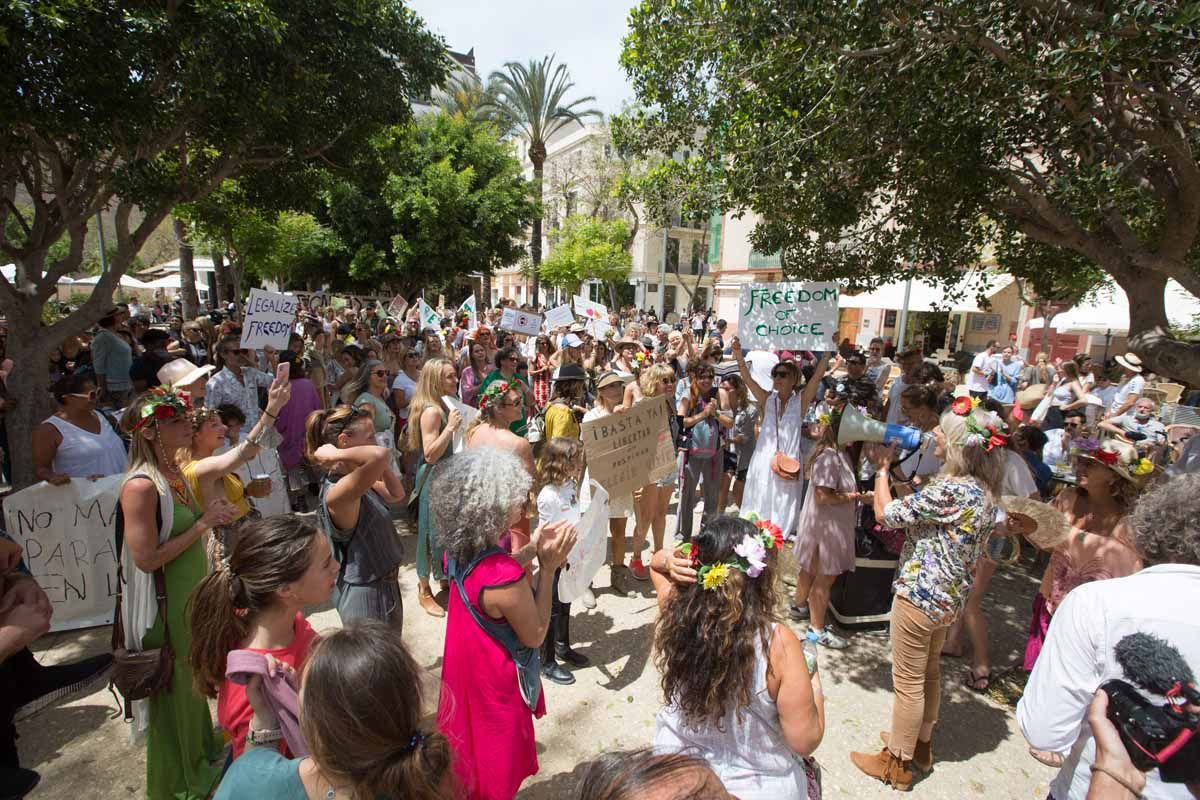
(426, 203)
(147, 105)
(529, 100)
(588, 248)
(870, 137)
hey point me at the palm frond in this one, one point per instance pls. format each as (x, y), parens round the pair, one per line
(530, 100)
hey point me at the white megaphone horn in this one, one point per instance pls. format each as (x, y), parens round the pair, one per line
(856, 427)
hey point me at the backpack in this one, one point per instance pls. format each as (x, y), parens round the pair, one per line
(704, 439)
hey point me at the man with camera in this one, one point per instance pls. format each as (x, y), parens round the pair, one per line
(1108, 634)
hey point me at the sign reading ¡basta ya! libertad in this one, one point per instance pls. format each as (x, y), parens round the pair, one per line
(789, 316)
(631, 448)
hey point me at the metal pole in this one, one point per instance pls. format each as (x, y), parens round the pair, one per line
(103, 250)
(904, 315)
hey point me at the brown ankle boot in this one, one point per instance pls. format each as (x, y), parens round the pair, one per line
(429, 603)
(884, 766)
(922, 756)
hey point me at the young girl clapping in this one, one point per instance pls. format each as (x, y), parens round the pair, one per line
(559, 476)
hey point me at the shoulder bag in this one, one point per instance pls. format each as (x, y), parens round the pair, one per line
(783, 465)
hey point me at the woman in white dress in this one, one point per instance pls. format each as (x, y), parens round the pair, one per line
(768, 495)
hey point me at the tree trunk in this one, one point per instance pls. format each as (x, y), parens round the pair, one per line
(29, 386)
(220, 277)
(485, 289)
(537, 154)
(187, 272)
(1150, 335)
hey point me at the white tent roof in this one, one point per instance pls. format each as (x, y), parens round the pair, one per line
(923, 297)
(128, 281)
(173, 282)
(9, 271)
(1108, 312)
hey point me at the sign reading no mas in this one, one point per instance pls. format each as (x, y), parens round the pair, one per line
(788, 316)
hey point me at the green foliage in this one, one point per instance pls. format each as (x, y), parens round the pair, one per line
(530, 101)
(869, 137)
(587, 249)
(427, 202)
(464, 97)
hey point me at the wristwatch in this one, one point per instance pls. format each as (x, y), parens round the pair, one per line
(268, 736)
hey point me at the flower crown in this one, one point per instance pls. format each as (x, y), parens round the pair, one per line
(750, 558)
(493, 393)
(164, 403)
(988, 436)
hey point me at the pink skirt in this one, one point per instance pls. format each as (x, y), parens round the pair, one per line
(1037, 631)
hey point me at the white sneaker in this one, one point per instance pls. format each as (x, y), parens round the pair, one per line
(587, 598)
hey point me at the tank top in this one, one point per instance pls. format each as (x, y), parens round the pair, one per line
(83, 453)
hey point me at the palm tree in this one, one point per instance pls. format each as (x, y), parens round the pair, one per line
(529, 101)
(464, 97)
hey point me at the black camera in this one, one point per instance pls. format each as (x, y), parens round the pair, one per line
(1164, 736)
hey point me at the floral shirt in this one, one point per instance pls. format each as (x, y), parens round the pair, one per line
(948, 524)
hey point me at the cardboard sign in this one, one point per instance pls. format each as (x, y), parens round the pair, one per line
(429, 316)
(459, 437)
(590, 310)
(788, 316)
(270, 319)
(631, 448)
(521, 322)
(266, 463)
(590, 550)
(560, 317)
(67, 535)
(397, 307)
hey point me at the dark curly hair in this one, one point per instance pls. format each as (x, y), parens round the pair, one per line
(706, 641)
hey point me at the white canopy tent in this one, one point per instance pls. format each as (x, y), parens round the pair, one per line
(9, 271)
(923, 297)
(128, 281)
(1108, 312)
(174, 282)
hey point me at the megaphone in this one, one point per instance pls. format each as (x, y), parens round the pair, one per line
(856, 427)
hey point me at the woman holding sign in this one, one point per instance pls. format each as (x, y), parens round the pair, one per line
(774, 488)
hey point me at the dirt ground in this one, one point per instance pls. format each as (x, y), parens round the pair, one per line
(83, 748)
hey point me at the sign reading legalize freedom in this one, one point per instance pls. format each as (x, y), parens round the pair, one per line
(631, 448)
(270, 317)
(788, 316)
(67, 535)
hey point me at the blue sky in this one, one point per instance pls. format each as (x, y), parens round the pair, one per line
(586, 34)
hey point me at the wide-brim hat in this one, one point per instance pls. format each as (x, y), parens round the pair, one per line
(569, 372)
(1029, 397)
(1123, 459)
(626, 340)
(1130, 362)
(181, 372)
(1051, 527)
(610, 377)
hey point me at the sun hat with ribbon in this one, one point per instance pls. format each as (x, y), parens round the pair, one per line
(1123, 459)
(1130, 362)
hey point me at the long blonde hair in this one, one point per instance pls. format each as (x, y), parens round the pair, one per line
(650, 379)
(142, 456)
(975, 461)
(428, 395)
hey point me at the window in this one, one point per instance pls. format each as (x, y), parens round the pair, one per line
(651, 288)
(672, 254)
(570, 200)
(694, 266)
(715, 223)
(889, 318)
(760, 260)
(669, 298)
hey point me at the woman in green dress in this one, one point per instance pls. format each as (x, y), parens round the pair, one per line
(164, 528)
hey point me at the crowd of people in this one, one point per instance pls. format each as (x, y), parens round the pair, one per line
(470, 435)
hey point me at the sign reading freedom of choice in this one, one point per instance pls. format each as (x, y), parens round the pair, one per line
(270, 317)
(789, 316)
(631, 448)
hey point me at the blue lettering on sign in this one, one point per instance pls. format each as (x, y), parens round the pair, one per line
(267, 305)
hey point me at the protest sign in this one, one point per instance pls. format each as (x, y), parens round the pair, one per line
(589, 309)
(429, 316)
(270, 319)
(265, 464)
(601, 330)
(521, 322)
(397, 307)
(591, 546)
(67, 535)
(631, 448)
(458, 442)
(560, 317)
(788, 316)
(468, 308)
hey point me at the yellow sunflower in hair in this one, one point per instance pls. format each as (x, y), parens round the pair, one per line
(715, 575)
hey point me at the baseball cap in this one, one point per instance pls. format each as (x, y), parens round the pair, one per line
(571, 340)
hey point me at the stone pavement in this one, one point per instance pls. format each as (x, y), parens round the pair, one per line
(83, 750)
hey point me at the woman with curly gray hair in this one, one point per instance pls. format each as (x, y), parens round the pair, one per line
(495, 619)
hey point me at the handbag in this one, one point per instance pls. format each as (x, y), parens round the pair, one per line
(783, 465)
(140, 674)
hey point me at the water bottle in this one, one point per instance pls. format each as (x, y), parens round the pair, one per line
(810, 655)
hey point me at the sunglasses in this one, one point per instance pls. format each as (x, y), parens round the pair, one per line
(780, 373)
(379, 373)
(667, 381)
(1070, 424)
(92, 395)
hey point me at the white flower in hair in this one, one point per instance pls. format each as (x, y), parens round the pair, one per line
(974, 440)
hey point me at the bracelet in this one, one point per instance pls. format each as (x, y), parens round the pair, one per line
(1128, 786)
(269, 414)
(268, 736)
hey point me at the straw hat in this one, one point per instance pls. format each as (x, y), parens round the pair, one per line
(1050, 526)
(1130, 362)
(182, 373)
(626, 340)
(1123, 459)
(611, 377)
(1029, 397)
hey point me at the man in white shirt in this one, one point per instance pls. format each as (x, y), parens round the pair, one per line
(1132, 384)
(979, 381)
(1058, 440)
(909, 360)
(878, 367)
(1078, 655)
(238, 381)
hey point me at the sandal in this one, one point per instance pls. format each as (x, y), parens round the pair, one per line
(972, 682)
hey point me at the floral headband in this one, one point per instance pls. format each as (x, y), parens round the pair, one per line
(492, 393)
(988, 436)
(750, 558)
(164, 404)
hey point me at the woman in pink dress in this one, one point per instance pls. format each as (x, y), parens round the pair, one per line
(496, 618)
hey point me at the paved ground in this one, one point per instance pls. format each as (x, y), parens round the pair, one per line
(82, 749)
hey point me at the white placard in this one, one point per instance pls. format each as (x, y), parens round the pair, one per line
(397, 307)
(67, 534)
(560, 317)
(468, 414)
(589, 309)
(266, 462)
(600, 329)
(269, 319)
(521, 322)
(429, 316)
(788, 316)
(590, 550)
(468, 306)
